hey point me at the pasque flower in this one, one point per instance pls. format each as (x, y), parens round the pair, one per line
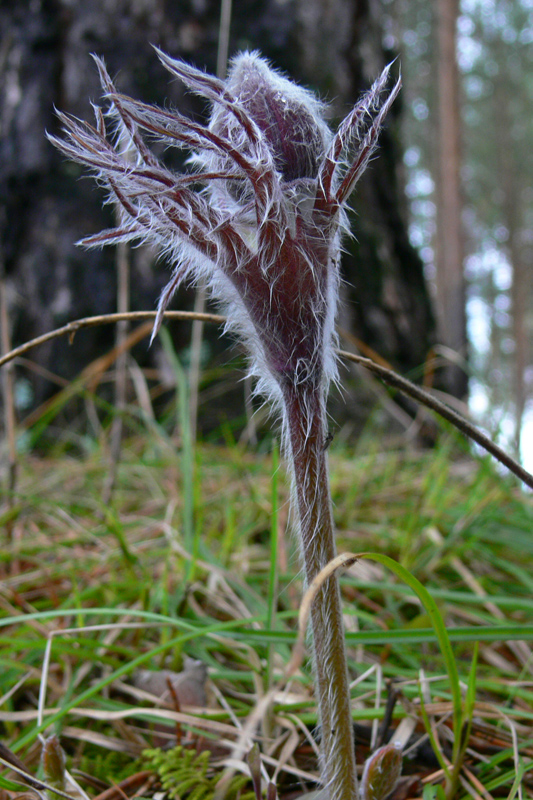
(258, 216)
(264, 229)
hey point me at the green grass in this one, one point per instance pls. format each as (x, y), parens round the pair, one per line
(172, 568)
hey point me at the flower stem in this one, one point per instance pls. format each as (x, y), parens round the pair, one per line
(307, 432)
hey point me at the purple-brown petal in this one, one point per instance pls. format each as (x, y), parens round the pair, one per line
(288, 116)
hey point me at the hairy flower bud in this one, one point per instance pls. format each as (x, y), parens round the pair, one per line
(289, 117)
(264, 232)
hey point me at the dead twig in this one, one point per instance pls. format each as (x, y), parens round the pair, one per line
(447, 413)
(73, 327)
(387, 376)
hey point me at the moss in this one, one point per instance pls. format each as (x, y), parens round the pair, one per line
(185, 773)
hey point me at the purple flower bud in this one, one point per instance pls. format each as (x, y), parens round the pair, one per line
(264, 231)
(290, 118)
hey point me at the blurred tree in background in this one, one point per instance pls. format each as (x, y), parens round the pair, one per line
(495, 60)
(337, 48)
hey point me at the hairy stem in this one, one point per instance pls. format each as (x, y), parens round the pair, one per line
(307, 433)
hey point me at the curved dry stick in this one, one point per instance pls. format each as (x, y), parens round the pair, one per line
(104, 319)
(386, 375)
(421, 396)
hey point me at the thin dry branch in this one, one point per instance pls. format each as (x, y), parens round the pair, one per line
(388, 376)
(73, 327)
(425, 398)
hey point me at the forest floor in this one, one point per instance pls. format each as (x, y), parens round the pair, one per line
(146, 630)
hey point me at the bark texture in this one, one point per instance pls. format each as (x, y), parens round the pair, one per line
(451, 291)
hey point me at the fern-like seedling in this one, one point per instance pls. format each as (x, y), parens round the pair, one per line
(258, 217)
(184, 773)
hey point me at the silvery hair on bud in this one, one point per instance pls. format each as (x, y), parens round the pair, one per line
(259, 213)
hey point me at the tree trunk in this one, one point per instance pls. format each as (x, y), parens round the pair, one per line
(511, 183)
(451, 296)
